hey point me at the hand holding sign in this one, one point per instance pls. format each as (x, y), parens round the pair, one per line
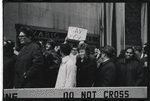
(77, 33)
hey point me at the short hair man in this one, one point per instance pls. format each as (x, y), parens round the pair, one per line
(51, 64)
(107, 71)
(67, 72)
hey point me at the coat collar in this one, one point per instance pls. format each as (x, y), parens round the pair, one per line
(86, 60)
(24, 50)
(125, 61)
(65, 59)
(105, 62)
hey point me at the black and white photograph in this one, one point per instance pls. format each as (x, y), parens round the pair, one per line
(75, 50)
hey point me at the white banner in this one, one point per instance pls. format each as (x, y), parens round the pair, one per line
(95, 92)
(76, 33)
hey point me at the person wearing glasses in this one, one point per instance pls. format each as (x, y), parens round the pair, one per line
(128, 70)
(29, 62)
(74, 53)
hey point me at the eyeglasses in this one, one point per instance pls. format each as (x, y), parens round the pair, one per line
(21, 36)
(129, 52)
(74, 49)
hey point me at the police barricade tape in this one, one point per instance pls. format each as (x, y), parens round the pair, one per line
(91, 92)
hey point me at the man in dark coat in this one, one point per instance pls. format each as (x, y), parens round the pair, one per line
(8, 65)
(129, 71)
(51, 64)
(86, 67)
(107, 70)
(143, 62)
(29, 62)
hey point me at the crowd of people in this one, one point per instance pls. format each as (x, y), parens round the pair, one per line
(54, 65)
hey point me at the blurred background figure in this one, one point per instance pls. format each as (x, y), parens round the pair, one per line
(74, 53)
(8, 64)
(129, 71)
(143, 51)
(40, 43)
(16, 51)
(98, 56)
(11, 42)
(96, 53)
(57, 48)
(144, 65)
(29, 62)
(99, 61)
(51, 64)
(4, 38)
(138, 52)
(86, 66)
(121, 55)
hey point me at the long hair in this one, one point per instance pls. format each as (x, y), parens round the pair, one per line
(52, 43)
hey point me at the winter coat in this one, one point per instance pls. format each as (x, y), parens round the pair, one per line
(129, 72)
(145, 70)
(67, 74)
(28, 67)
(86, 71)
(105, 74)
(51, 66)
(8, 71)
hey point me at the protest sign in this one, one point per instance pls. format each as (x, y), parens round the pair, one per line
(76, 33)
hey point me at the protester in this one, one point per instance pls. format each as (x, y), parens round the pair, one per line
(138, 52)
(95, 52)
(74, 53)
(98, 56)
(57, 48)
(40, 43)
(143, 52)
(16, 49)
(11, 42)
(107, 70)
(8, 64)
(121, 55)
(86, 66)
(29, 62)
(143, 62)
(129, 71)
(51, 64)
(67, 72)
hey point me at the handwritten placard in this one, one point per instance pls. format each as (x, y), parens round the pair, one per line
(76, 33)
